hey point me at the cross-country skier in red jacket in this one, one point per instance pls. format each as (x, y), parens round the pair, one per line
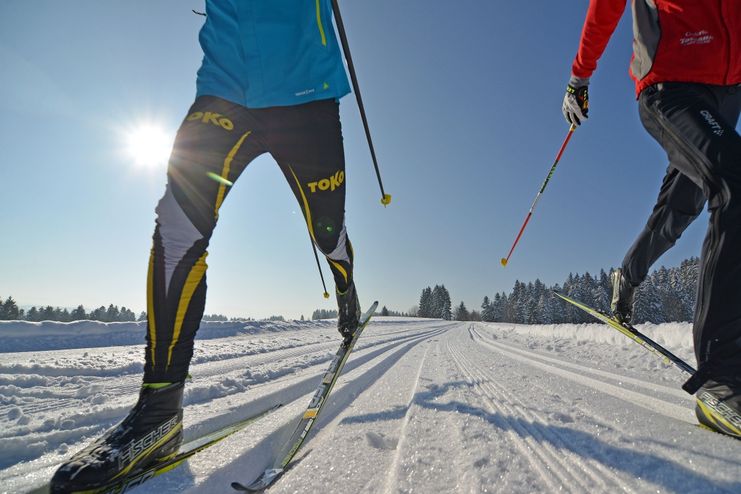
(687, 69)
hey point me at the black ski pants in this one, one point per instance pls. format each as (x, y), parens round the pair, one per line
(695, 124)
(215, 143)
(680, 201)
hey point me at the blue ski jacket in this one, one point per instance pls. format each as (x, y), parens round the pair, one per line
(263, 53)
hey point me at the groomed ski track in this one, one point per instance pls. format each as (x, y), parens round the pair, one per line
(423, 406)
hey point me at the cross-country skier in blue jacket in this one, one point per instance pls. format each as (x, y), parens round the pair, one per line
(270, 81)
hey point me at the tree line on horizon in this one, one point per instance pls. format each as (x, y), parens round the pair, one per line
(331, 314)
(9, 311)
(667, 295)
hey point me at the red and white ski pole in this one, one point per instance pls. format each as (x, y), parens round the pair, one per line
(505, 260)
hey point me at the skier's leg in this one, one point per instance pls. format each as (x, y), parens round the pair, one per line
(306, 141)
(680, 201)
(214, 144)
(212, 139)
(681, 117)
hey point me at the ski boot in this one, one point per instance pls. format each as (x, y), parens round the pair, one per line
(348, 312)
(718, 407)
(623, 293)
(151, 432)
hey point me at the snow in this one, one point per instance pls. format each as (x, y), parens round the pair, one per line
(424, 405)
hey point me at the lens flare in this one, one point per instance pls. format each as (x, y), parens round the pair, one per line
(219, 178)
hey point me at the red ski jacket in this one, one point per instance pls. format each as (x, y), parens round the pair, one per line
(673, 40)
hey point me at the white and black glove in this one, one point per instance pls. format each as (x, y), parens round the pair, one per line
(576, 101)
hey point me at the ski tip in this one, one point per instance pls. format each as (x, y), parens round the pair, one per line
(263, 482)
(239, 487)
(504, 261)
(248, 488)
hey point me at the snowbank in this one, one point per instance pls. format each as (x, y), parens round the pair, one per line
(670, 335)
(25, 336)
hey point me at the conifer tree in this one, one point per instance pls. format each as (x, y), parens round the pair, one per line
(32, 314)
(687, 286)
(461, 313)
(438, 302)
(487, 310)
(425, 303)
(447, 313)
(47, 313)
(499, 307)
(603, 292)
(78, 314)
(9, 310)
(648, 305)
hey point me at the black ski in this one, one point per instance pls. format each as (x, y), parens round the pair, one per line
(632, 333)
(307, 420)
(187, 450)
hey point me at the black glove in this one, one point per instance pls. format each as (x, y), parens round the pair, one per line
(576, 101)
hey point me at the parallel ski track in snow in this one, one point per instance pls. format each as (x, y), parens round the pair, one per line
(544, 448)
(598, 382)
(366, 366)
(290, 382)
(312, 354)
(292, 391)
(392, 478)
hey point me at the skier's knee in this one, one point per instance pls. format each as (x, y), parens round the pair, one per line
(337, 248)
(726, 204)
(176, 231)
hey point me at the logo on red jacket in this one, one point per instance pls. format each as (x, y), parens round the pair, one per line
(696, 38)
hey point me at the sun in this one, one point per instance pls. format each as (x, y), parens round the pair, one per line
(148, 145)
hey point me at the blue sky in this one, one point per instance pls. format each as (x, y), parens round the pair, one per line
(464, 104)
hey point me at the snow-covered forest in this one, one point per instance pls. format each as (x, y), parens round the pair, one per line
(667, 295)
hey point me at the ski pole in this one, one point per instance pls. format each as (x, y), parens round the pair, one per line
(319, 266)
(505, 260)
(385, 198)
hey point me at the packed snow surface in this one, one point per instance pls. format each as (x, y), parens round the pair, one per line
(423, 406)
